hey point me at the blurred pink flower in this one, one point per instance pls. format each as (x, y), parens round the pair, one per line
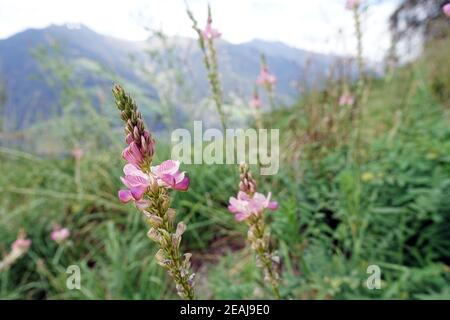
(352, 4)
(60, 234)
(77, 153)
(209, 32)
(21, 245)
(346, 100)
(265, 78)
(137, 183)
(168, 175)
(255, 102)
(244, 206)
(446, 9)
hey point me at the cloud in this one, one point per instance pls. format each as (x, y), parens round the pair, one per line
(320, 25)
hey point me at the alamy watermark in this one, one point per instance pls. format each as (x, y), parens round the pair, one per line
(374, 280)
(74, 277)
(253, 146)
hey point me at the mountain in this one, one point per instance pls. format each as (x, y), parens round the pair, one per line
(33, 94)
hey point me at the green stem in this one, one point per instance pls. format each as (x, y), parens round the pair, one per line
(265, 257)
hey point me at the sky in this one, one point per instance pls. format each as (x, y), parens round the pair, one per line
(318, 25)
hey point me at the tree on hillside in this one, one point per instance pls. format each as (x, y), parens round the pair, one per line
(423, 17)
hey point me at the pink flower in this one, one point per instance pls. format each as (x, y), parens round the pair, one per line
(60, 234)
(255, 102)
(346, 100)
(137, 183)
(244, 206)
(446, 9)
(209, 32)
(141, 148)
(352, 4)
(77, 153)
(265, 78)
(133, 155)
(168, 175)
(21, 245)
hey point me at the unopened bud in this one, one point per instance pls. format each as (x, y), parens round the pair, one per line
(171, 214)
(154, 235)
(181, 228)
(154, 220)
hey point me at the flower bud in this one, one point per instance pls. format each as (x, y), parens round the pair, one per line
(171, 214)
(154, 235)
(154, 220)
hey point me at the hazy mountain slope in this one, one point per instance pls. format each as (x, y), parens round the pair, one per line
(30, 99)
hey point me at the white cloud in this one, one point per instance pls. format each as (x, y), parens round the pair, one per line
(307, 24)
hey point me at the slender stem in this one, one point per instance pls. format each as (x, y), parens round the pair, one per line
(265, 255)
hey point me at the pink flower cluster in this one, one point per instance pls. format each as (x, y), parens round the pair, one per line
(139, 147)
(21, 245)
(244, 206)
(209, 32)
(77, 153)
(265, 78)
(346, 100)
(59, 234)
(166, 175)
(352, 4)
(446, 9)
(255, 102)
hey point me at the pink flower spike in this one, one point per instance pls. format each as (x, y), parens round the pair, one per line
(255, 103)
(352, 4)
(21, 244)
(446, 9)
(346, 100)
(59, 234)
(209, 32)
(77, 153)
(265, 78)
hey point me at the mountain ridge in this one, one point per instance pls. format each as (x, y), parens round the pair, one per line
(239, 66)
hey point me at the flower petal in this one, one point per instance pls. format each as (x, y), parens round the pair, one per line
(125, 196)
(138, 192)
(183, 185)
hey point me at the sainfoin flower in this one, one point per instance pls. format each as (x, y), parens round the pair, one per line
(77, 153)
(169, 175)
(21, 245)
(446, 9)
(60, 234)
(255, 102)
(352, 4)
(132, 154)
(265, 78)
(209, 32)
(137, 183)
(147, 186)
(346, 100)
(243, 206)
